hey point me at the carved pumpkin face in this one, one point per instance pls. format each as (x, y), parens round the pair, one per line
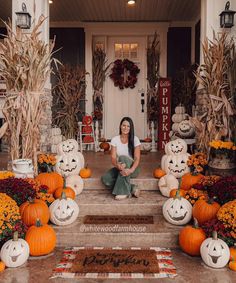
(176, 165)
(15, 253)
(177, 211)
(69, 164)
(215, 252)
(176, 147)
(67, 146)
(63, 211)
(185, 128)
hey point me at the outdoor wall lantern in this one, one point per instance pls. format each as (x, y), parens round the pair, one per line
(227, 17)
(131, 2)
(23, 19)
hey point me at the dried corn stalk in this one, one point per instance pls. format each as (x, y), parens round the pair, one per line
(213, 77)
(25, 66)
(68, 93)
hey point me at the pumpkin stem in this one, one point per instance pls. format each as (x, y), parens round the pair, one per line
(177, 195)
(38, 223)
(63, 195)
(15, 236)
(30, 200)
(211, 200)
(195, 223)
(214, 235)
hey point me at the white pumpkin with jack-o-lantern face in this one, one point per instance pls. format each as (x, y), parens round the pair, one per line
(15, 252)
(176, 165)
(186, 129)
(63, 211)
(177, 210)
(68, 146)
(69, 164)
(176, 147)
(215, 252)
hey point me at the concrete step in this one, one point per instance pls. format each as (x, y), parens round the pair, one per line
(102, 202)
(160, 234)
(143, 183)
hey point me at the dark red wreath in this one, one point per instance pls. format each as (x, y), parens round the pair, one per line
(124, 73)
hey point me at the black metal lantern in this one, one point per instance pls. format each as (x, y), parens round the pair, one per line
(23, 18)
(227, 17)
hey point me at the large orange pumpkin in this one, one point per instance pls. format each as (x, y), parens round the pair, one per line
(41, 239)
(204, 210)
(232, 265)
(189, 179)
(69, 192)
(191, 238)
(158, 173)
(32, 210)
(53, 180)
(85, 172)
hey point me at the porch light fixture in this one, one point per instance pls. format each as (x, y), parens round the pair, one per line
(131, 2)
(227, 17)
(23, 19)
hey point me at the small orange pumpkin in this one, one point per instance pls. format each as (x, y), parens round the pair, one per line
(204, 210)
(2, 266)
(173, 192)
(69, 192)
(32, 210)
(232, 264)
(158, 173)
(188, 180)
(191, 238)
(85, 172)
(233, 252)
(52, 180)
(41, 239)
(105, 146)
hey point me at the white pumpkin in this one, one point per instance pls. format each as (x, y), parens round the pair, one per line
(175, 127)
(177, 210)
(176, 147)
(177, 118)
(15, 252)
(167, 183)
(76, 183)
(215, 252)
(63, 211)
(55, 131)
(176, 165)
(68, 146)
(180, 109)
(69, 164)
(186, 129)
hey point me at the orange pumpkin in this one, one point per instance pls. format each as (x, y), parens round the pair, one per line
(105, 146)
(32, 210)
(53, 180)
(158, 173)
(85, 172)
(69, 192)
(41, 239)
(191, 238)
(173, 192)
(188, 180)
(2, 266)
(232, 265)
(233, 252)
(204, 210)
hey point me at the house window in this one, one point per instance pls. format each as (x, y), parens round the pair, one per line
(126, 50)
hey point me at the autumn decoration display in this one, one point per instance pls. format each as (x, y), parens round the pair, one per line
(124, 74)
(52, 180)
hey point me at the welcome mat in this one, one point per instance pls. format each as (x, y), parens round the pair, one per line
(118, 219)
(103, 263)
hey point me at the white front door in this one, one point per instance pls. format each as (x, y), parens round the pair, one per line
(126, 102)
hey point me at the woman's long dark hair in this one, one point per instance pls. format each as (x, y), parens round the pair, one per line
(131, 135)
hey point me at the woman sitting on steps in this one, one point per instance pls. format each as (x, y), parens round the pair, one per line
(125, 156)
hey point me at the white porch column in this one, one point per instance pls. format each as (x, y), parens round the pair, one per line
(210, 20)
(38, 8)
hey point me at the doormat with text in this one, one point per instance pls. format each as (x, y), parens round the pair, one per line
(118, 219)
(126, 263)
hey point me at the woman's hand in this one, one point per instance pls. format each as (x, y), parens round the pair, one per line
(126, 172)
(121, 166)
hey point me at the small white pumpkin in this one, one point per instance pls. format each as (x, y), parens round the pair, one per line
(175, 127)
(186, 129)
(69, 164)
(176, 164)
(68, 146)
(15, 252)
(76, 183)
(177, 210)
(215, 252)
(176, 147)
(167, 183)
(177, 118)
(180, 109)
(63, 211)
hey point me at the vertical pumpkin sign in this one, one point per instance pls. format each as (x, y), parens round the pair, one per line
(164, 119)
